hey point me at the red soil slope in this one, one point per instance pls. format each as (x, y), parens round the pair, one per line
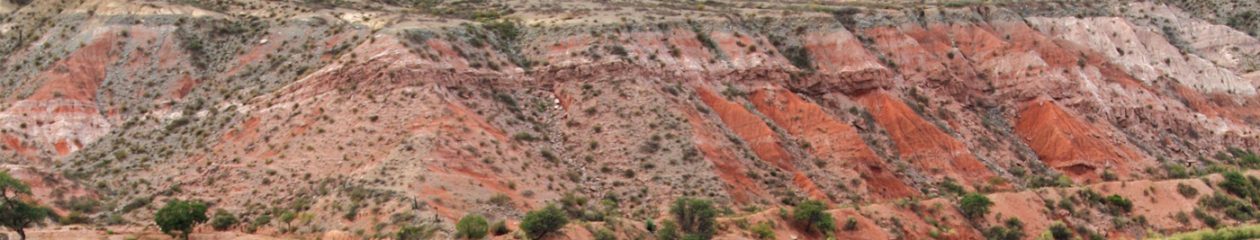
(830, 140)
(729, 169)
(763, 141)
(1074, 147)
(929, 148)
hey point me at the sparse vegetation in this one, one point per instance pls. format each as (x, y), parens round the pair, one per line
(1239, 232)
(417, 232)
(1011, 229)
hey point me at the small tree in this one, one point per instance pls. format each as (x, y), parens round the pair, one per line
(696, 217)
(178, 217)
(471, 226)
(812, 215)
(223, 220)
(539, 223)
(16, 214)
(975, 205)
(287, 218)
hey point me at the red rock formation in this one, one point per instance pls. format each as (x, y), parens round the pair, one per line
(1065, 143)
(832, 141)
(923, 144)
(763, 141)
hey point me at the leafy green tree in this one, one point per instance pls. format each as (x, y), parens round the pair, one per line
(178, 217)
(16, 214)
(974, 205)
(223, 220)
(287, 218)
(696, 217)
(812, 214)
(539, 223)
(471, 226)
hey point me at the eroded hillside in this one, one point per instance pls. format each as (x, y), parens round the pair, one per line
(358, 118)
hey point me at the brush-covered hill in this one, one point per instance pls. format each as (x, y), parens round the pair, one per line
(357, 118)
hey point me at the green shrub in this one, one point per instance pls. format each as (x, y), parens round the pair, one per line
(538, 223)
(799, 57)
(471, 226)
(83, 204)
(1238, 232)
(1206, 218)
(1119, 202)
(974, 205)
(178, 217)
(668, 231)
(419, 232)
(75, 217)
(223, 220)
(812, 215)
(604, 234)
(850, 224)
(1059, 231)
(1187, 190)
(952, 187)
(261, 220)
(1108, 175)
(1233, 207)
(1012, 229)
(499, 228)
(696, 217)
(1177, 171)
(1238, 185)
(524, 137)
(763, 230)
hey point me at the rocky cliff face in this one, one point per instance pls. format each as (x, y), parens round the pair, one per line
(361, 117)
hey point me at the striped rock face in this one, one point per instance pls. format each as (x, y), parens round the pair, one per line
(363, 117)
